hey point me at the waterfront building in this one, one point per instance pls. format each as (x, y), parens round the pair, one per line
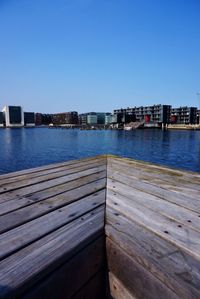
(92, 118)
(72, 117)
(108, 118)
(82, 119)
(198, 116)
(65, 118)
(155, 114)
(103, 117)
(2, 119)
(14, 116)
(47, 119)
(184, 115)
(123, 116)
(43, 119)
(29, 119)
(116, 118)
(38, 119)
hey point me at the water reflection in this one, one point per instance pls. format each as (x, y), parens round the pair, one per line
(25, 148)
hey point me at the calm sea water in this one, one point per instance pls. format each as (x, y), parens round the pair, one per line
(30, 147)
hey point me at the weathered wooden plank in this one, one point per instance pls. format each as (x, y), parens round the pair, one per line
(23, 235)
(75, 274)
(165, 176)
(153, 166)
(90, 183)
(23, 269)
(43, 172)
(21, 216)
(117, 289)
(191, 191)
(58, 189)
(179, 199)
(174, 267)
(156, 177)
(183, 237)
(31, 181)
(26, 193)
(163, 207)
(30, 171)
(136, 279)
(51, 214)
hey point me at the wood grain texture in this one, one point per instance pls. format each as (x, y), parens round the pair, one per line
(5, 188)
(45, 172)
(52, 231)
(174, 182)
(183, 200)
(26, 234)
(76, 276)
(163, 207)
(26, 193)
(136, 279)
(152, 218)
(154, 167)
(184, 238)
(18, 174)
(175, 268)
(25, 214)
(176, 188)
(117, 289)
(24, 268)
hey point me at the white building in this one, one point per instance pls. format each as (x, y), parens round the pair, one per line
(14, 116)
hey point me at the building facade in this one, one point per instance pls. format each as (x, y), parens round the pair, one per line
(29, 119)
(2, 119)
(14, 116)
(95, 118)
(82, 119)
(108, 118)
(184, 115)
(198, 116)
(38, 119)
(156, 114)
(65, 118)
(92, 118)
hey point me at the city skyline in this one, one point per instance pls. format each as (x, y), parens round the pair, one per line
(88, 55)
(156, 115)
(100, 111)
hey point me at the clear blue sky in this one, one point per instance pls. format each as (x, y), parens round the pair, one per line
(98, 55)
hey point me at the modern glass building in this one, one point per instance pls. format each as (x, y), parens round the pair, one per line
(92, 118)
(14, 116)
(29, 119)
(2, 119)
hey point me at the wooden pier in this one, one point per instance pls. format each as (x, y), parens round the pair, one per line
(102, 227)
